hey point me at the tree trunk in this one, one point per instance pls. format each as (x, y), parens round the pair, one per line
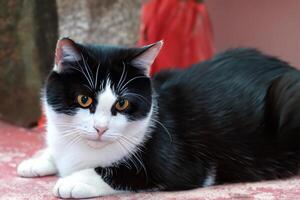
(28, 31)
(102, 22)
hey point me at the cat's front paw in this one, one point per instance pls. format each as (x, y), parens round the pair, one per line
(41, 164)
(82, 184)
(36, 167)
(69, 188)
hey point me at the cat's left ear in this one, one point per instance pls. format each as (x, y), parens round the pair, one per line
(146, 57)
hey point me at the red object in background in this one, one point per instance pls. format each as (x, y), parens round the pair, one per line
(42, 121)
(185, 28)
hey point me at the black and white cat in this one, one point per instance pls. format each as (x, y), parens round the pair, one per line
(111, 128)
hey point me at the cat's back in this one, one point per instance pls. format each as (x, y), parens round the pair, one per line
(235, 63)
(232, 85)
(234, 68)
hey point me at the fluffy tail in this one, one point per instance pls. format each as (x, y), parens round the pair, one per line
(283, 109)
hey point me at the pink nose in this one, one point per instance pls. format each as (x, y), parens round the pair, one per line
(100, 130)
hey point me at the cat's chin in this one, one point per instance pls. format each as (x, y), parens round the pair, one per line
(97, 144)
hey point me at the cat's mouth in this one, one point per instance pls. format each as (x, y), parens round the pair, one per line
(98, 144)
(97, 141)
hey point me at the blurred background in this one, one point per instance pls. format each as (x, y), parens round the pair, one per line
(193, 31)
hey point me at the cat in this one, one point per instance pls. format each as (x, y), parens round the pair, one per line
(111, 128)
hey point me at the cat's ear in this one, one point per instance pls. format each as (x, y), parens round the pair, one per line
(66, 51)
(146, 57)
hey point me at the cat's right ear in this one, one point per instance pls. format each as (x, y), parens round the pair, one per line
(66, 51)
(146, 57)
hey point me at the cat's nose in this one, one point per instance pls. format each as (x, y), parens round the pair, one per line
(101, 130)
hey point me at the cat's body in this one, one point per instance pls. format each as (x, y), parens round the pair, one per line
(234, 118)
(217, 119)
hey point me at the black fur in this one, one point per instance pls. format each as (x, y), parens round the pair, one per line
(237, 115)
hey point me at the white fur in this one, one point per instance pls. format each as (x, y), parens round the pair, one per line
(56, 68)
(210, 178)
(82, 184)
(41, 164)
(102, 116)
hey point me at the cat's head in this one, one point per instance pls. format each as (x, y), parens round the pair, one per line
(100, 93)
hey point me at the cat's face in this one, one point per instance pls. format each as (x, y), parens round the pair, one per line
(100, 94)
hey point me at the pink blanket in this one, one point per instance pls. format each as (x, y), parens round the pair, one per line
(17, 144)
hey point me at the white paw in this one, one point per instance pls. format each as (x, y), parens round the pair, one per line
(36, 167)
(82, 184)
(67, 188)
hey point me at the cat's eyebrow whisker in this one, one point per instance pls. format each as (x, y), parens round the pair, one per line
(124, 78)
(84, 75)
(138, 96)
(124, 91)
(87, 68)
(96, 81)
(124, 66)
(88, 87)
(134, 78)
(81, 70)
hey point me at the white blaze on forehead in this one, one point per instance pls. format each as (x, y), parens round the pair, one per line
(106, 100)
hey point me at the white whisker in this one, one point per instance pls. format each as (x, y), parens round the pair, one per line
(88, 87)
(137, 158)
(166, 130)
(73, 141)
(87, 68)
(126, 150)
(120, 80)
(81, 70)
(96, 81)
(134, 78)
(137, 95)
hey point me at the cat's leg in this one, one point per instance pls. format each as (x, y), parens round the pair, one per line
(82, 184)
(42, 164)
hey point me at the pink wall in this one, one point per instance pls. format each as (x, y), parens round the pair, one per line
(272, 26)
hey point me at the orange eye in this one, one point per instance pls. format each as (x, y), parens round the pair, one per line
(122, 104)
(84, 101)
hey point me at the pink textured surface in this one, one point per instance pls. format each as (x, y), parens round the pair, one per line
(17, 144)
